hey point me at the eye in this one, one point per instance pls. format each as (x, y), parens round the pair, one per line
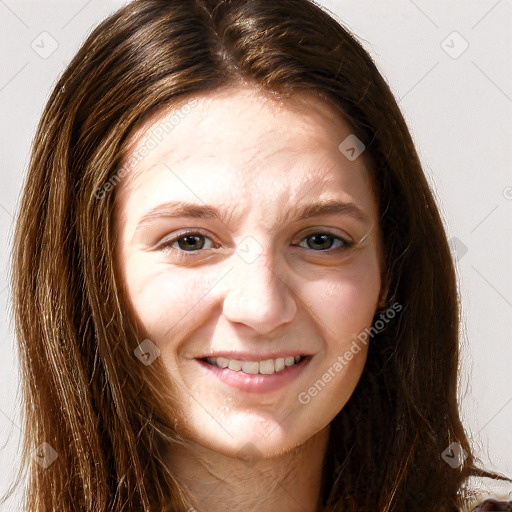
(320, 242)
(189, 241)
(194, 241)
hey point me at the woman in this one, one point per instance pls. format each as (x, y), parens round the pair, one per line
(303, 355)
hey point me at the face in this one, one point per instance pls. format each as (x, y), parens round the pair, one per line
(255, 269)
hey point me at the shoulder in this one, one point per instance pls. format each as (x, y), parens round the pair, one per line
(491, 505)
(483, 494)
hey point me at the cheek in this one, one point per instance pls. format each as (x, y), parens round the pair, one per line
(164, 301)
(346, 300)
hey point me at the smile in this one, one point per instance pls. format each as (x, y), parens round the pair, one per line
(266, 367)
(255, 376)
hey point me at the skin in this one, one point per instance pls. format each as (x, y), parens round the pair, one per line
(243, 149)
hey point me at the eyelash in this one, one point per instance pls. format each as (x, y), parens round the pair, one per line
(167, 246)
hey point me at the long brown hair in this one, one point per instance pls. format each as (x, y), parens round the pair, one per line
(84, 392)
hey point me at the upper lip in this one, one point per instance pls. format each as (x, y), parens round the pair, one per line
(248, 356)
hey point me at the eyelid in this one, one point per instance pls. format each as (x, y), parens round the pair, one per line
(327, 231)
(165, 245)
(180, 234)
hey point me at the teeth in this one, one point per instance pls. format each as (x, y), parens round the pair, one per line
(235, 365)
(222, 362)
(250, 367)
(265, 367)
(279, 364)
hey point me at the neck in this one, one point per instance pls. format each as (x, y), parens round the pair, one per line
(290, 481)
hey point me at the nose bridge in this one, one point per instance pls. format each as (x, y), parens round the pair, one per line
(256, 294)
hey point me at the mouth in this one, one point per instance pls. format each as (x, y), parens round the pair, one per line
(262, 367)
(255, 376)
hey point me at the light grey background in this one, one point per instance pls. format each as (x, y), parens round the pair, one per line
(457, 102)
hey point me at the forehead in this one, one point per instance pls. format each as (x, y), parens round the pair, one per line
(231, 106)
(241, 138)
(253, 122)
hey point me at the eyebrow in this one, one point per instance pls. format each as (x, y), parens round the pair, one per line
(179, 209)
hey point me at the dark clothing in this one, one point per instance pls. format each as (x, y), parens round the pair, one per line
(494, 506)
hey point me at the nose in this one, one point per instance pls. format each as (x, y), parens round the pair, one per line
(258, 296)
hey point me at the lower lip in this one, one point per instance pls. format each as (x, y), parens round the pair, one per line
(256, 383)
